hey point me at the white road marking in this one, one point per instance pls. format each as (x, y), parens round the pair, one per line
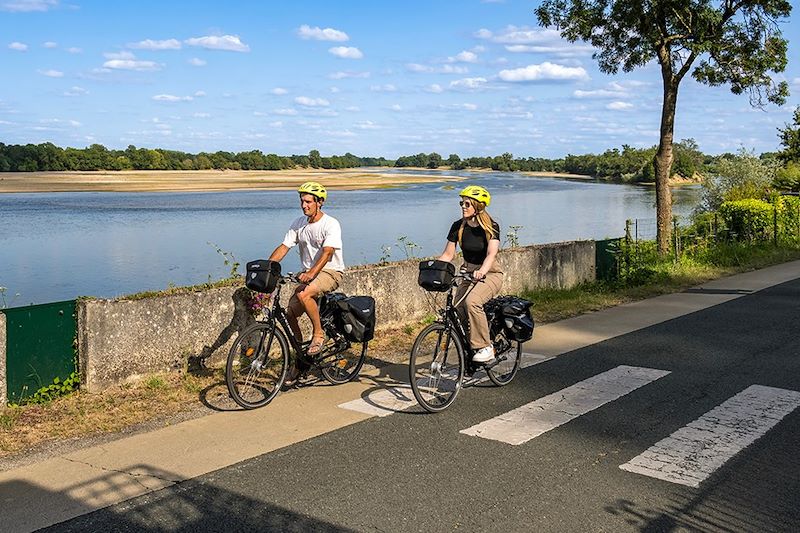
(532, 419)
(695, 451)
(383, 402)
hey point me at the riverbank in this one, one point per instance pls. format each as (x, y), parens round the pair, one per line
(207, 180)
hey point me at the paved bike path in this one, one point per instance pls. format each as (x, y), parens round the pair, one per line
(79, 482)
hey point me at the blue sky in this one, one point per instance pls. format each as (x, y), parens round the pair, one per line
(376, 78)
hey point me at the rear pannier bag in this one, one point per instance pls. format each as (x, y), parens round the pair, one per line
(435, 275)
(357, 316)
(262, 275)
(512, 315)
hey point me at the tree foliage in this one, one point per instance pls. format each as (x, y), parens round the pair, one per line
(790, 139)
(737, 177)
(48, 157)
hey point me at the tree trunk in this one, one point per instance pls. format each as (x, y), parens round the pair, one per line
(663, 166)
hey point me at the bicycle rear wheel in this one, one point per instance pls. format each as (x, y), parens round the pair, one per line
(256, 365)
(504, 371)
(345, 365)
(436, 368)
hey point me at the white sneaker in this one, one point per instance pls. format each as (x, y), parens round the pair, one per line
(484, 355)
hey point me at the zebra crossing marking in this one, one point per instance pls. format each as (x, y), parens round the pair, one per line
(535, 418)
(694, 452)
(384, 402)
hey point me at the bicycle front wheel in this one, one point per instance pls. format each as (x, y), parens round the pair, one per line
(345, 365)
(257, 365)
(507, 365)
(436, 368)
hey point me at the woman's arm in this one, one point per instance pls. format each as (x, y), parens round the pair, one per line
(449, 252)
(491, 253)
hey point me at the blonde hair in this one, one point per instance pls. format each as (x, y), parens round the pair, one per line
(485, 221)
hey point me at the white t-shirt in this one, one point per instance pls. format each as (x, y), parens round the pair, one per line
(325, 232)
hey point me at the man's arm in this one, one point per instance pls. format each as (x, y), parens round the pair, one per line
(324, 258)
(279, 253)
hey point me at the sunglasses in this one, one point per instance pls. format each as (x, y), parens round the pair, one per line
(464, 203)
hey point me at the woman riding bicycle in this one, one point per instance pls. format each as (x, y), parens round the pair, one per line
(478, 235)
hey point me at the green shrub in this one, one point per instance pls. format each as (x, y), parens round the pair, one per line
(747, 219)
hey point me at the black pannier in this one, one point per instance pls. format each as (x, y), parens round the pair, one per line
(262, 275)
(357, 318)
(435, 275)
(512, 315)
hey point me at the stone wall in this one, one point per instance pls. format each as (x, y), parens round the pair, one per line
(122, 339)
(3, 383)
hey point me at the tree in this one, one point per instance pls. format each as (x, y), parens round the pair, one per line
(733, 42)
(737, 178)
(790, 139)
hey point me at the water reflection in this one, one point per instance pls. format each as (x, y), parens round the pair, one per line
(61, 245)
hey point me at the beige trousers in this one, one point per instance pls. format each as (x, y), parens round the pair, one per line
(325, 282)
(472, 306)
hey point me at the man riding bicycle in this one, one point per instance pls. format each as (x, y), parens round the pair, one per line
(320, 238)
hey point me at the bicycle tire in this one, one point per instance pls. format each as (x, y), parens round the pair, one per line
(346, 365)
(429, 365)
(250, 385)
(502, 373)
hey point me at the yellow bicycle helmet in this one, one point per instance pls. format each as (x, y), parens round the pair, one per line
(476, 192)
(312, 187)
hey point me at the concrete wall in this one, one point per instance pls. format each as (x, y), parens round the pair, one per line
(122, 339)
(3, 383)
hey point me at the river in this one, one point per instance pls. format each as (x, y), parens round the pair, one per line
(57, 246)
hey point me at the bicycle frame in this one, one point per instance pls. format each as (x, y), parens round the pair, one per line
(278, 318)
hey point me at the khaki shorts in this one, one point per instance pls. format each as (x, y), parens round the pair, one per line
(326, 281)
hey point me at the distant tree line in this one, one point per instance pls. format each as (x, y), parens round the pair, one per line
(629, 164)
(49, 157)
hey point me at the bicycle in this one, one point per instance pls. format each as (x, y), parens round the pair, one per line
(441, 354)
(258, 360)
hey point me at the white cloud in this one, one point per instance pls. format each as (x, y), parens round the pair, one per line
(127, 61)
(544, 72)
(468, 83)
(199, 93)
(76, 91)
(464, 57)
(352, 109)
(466, 107)
(367, 125)
(285, 111)
(150, 44)
(565, 50)
(197, 62)
(483, 33)
(19, 47)
(311, 102)
(453, 69)
(328, 34)
(172, 98)
(530, 40)
(444, 69)
(395, 107)
(279, 91)
(74, 50)
(387, 88)
(229, 43)
(600, 93)
(348, 74)
(22, 6)
(346, 52)
(276, 124)
(434, 88)
(50, 44)
(335, 90)
(619, 106)
(201, 115)
(51, 73)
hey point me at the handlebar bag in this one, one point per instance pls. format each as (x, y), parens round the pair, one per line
(435, 275)
(357, 318)
(262, 275)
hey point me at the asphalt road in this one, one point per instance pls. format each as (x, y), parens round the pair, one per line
(416, 472)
